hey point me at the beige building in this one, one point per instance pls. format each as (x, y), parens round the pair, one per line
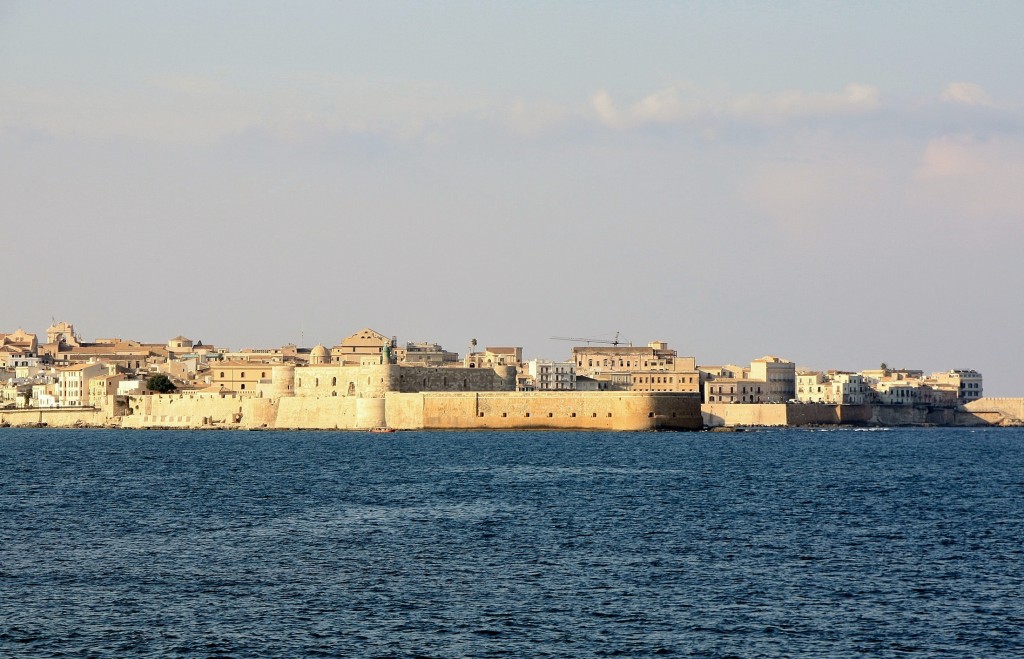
(735, 390)
(241, 376)
(834, 388)
(813, 387)
(179, 345)
(654, 367)
(102, 386)
(426, 354)
(898, 391)
(778, 374)
(20, 342)
(73, 383)
(966, 382)
(364, 343)
(767, 380)
(491, 357)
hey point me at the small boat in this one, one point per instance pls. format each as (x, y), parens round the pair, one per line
(382, 429)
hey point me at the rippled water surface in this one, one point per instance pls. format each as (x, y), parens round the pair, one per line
(774, 543)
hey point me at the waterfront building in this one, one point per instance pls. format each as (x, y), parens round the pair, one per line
(73, 383)
(849, 388)
(834, 388)
(779, 376)
(813, 387)
(966, 382)
(735, 390)
(654, 367)
(898, 391)
(767, 380)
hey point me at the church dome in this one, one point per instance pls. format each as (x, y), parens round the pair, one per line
(319, 355)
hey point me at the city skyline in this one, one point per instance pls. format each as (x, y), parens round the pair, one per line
(837, 185)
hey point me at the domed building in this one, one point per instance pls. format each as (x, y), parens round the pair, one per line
(319, 356)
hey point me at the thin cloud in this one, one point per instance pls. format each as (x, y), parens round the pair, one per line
(675, 105)
(966, 93)
(980, 179)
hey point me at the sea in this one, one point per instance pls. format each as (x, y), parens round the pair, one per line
(767, 543)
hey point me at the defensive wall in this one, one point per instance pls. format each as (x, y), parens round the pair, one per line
(56, 417)
(992, 411)
(544, 410)
(416, 411)
(821, 414)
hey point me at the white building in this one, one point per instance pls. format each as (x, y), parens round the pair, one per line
(552, 376)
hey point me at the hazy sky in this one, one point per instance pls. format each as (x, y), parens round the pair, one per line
(836, 183)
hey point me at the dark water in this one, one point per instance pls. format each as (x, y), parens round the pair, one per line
(776, 543)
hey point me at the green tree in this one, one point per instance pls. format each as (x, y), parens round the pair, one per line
(160, 383)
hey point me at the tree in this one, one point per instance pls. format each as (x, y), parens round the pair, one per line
(160, 383)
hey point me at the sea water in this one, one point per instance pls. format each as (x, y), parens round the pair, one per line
(518, 544)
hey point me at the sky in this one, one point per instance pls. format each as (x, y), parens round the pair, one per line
(840, 184)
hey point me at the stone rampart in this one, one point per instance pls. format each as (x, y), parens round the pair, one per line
(822, 414)
(199, 410)
(544, 410)
(716, 415)
(328, 413)
(55, 417)
(992, 411)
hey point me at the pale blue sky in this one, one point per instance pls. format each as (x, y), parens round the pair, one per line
(838, 183)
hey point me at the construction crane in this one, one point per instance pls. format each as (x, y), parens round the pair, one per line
(614, 342)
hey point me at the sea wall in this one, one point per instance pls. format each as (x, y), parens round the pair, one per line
(64, 417)
(717, 415)
(341, 413)
(424, 410)
(992, 411)
(193, 410)
(543, 410)
(821, 414)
